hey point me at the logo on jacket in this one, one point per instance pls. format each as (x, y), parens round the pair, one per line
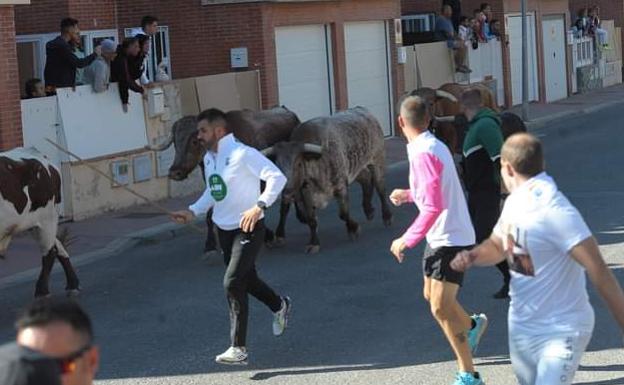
(218, 188)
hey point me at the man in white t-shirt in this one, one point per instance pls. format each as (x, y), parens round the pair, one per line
(549, 247)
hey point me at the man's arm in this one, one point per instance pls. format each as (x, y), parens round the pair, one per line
(267, 171)
(74, 61)
(490, 252)
(588, 255)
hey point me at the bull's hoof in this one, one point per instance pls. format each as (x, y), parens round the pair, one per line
(387, 220)
(72, 293)
(370, 215)
(354, 231)
(313, 249)
(2, 257)
(42, 295)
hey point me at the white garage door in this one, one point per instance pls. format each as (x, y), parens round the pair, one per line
(514, 24)
(368, 80)
(304, 70)
(556, 74)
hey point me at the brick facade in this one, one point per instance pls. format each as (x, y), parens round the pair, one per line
(10, 111)
(44, 16)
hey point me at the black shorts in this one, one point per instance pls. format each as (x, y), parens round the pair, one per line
(437, 264)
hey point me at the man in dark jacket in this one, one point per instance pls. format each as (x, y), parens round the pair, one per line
(61, 63)
(481, 149)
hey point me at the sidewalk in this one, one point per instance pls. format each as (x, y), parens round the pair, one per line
(112, 233)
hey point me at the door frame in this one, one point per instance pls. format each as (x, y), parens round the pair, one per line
(536, 53)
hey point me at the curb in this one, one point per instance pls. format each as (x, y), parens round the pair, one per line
(541, 123)
(151, 235)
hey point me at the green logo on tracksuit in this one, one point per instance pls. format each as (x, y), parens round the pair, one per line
(218, 189)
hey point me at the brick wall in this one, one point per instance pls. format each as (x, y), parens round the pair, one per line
(10, 112)
(420, 6)
(44, 16)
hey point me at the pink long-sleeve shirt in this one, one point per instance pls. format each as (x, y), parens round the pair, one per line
(435, 189)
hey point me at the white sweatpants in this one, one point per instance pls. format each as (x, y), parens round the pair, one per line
(547, 359)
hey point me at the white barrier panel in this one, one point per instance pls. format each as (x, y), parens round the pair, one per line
(487, 61)
(95, 125)
(40, 122)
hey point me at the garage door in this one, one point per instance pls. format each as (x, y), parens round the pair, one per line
(555, 71)
(368, 80)
(304, 70)
(514, 24)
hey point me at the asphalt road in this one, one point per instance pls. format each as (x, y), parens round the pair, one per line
(358, 316)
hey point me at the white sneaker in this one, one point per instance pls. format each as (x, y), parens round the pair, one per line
(233, 356)
(280, 318)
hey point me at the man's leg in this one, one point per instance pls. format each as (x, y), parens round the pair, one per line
(523, 352)
(560, 357)
(454, 321)
(255, 286)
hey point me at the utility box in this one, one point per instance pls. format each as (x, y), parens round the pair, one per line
(155, 102)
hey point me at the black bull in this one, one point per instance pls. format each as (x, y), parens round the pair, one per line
(260, 130)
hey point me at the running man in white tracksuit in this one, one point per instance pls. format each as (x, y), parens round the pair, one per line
(233, 174)
(548, 247)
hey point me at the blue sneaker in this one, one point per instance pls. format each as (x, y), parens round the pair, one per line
(465, 378)
(475, 334)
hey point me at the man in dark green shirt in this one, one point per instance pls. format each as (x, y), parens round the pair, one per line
(481, 150)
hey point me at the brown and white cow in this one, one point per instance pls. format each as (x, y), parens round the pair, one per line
(29, 194)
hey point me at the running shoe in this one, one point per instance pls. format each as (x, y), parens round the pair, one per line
(233, 356)
(280, 317)
(465, 378)
(475, 334)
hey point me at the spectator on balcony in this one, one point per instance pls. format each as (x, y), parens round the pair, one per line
(138, 65)
(78, 50)
(474, 33)
(34, 88)
(478, 26)
(149, 28)
(582, 21)
(456, 7)
(444, 28)
(98, 73)
(127, 53)
(486, 9)
(496, 28)
(61, 63)
(595, 29)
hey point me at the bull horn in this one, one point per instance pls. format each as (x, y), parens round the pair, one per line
(444, 119)
(268, 151)
(162, 146)
(446, 95)
(313, 148)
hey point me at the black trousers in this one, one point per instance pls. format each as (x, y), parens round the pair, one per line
(241, 278)
(484, 208)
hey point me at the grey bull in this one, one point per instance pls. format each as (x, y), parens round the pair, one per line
(323, 157)
(259, 129)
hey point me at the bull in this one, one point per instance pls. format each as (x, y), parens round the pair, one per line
(30, 193)
(260, 130)
(323, 157)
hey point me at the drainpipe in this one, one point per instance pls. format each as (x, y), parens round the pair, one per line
(525, 63)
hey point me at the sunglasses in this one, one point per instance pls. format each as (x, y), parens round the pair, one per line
(68, 363)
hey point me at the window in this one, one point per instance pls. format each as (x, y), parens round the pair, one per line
(418, 23)
(159, 50)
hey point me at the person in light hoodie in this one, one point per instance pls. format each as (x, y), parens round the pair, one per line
(549, 249)
(233, 174)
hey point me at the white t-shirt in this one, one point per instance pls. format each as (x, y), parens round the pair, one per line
(539, 227)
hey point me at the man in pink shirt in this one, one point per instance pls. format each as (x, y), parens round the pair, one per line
(445, 222)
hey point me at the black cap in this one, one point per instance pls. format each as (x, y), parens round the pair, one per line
(23, 366)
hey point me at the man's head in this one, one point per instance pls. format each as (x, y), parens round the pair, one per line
(130, 46)
(447, 11)
(60, 329)
(109, 49)
(34, 88)
(472, 102)
(70, 31)
(414, 116)
(211, 127)
(485, 8)
(144, 43)
(464, 21)
(495, 27)
(521, 158)
(149, 24)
